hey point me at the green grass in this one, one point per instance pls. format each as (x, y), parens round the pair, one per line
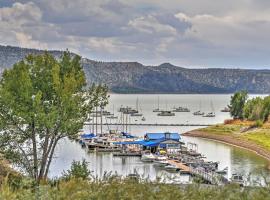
(222, 129)
(130, 190)
(260, 137)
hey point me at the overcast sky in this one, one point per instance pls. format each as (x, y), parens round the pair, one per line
(188, 33)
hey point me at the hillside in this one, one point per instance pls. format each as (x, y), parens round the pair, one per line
(133, 77)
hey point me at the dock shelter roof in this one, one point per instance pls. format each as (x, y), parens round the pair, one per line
(165, 136)
(142, 142)
(145, 143)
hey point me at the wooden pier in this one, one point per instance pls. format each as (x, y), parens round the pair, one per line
(148, 124)
(211, 177)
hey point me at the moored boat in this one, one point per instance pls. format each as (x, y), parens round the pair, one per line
(211, 114)
(161, 161)
(198, 113)
(148, 157)
(226, 109)
(171, 168)
(181, 109)
(166, 113)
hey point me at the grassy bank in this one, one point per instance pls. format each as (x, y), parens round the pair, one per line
(131, 189)
(6, 171)
(240, 133)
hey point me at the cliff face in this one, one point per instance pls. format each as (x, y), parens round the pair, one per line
(133, 77)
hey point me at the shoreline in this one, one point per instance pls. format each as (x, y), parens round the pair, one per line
(232, 141)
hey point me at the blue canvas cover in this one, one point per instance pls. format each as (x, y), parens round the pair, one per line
(158, 136)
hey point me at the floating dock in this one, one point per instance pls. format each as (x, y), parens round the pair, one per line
(127, 154)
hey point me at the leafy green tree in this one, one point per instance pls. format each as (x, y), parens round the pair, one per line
(237, 104)
(254, 109)
(266, 108)
(43, 100)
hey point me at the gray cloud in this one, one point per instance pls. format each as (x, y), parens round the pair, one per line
(188, 33)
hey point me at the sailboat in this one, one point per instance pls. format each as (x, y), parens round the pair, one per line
(212, 113)
(157, 109)
(136, 114)
(166, 112)
(112, 116)
(199, 112)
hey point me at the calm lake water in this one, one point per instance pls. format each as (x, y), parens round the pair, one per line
(237, 160)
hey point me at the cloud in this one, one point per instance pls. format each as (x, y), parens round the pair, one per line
(187, 32)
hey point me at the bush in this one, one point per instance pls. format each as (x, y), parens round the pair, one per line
(259, 123)
(78, 169)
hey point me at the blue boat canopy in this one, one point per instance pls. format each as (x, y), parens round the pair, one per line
(88, 135)
(164, 136)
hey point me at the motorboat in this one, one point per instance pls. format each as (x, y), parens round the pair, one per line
(226, 109)
(211, 114)
(148, 157)
(161, 161)
(198, 113)
(166, 113)
(181, 109)
(171, 168)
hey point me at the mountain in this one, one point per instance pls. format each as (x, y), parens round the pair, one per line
(133, 77)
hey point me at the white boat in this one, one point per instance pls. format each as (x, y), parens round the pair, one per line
(198, 113)
(211, 114)
(171, 168)
(157, 109)
(148, 157)
(181, 109)
(161, 161)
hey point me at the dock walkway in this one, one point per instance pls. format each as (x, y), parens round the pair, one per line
(211, 177)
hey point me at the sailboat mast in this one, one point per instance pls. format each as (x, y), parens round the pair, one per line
(158, 103)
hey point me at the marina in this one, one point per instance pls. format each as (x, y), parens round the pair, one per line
(114, 160)
(163, 149)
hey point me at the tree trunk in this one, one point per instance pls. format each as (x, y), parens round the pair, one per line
(34, 143)
(51, 157)
(45, 154)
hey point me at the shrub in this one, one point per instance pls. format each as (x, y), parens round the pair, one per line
(78, 169)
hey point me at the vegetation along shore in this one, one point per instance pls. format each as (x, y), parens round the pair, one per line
(249, 128)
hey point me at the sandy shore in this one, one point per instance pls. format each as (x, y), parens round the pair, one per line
(231, 140)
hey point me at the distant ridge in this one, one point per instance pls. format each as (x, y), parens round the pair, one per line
(133, 77)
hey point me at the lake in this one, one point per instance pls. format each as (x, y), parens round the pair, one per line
(237, 160)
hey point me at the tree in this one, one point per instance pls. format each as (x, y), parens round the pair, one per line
(43, 100)
(254, 109)
(237, 104)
